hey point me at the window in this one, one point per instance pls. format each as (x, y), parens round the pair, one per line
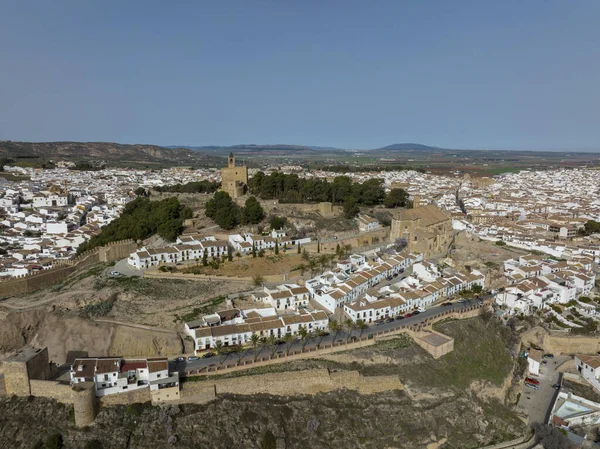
(158, 375)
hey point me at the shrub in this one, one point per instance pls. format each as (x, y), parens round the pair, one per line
(54, 441)
(585, 299)
(268, 440)
(93, 444)
(501, 243)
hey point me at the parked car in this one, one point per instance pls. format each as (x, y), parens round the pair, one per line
(378, 322)
(548, 356)
(115, 273)
(390, 319)
(179, 359)
(408, 315)
(416, 312)
(421, 309)
(556, 386)
(399, 317)
(447, 303)
(192, 358)
(531, 380)
(535, 387)
(208, 355)
(544, 362)
(462, 301)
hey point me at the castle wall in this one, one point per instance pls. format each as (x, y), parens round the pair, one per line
(51, 390)
(16, 379)
(308, 382)
(136, 396)
(63, 269)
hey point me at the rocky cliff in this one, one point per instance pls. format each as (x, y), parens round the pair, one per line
(327, 420)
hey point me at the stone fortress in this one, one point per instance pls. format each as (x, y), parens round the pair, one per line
(234, 178)
(426, 229)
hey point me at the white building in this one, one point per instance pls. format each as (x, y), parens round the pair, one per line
(366, 223)
(113, 375)
(240, 329)
(534, 360)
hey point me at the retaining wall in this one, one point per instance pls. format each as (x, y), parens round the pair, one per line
(289, 383)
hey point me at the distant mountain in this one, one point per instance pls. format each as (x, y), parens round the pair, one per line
(302, 149)
(408, 146)
(251, 148)
(106, 151)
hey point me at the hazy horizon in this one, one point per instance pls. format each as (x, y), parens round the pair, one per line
(346, 74)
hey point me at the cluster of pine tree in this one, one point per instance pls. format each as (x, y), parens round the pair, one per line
(140, 219)
(223, 210)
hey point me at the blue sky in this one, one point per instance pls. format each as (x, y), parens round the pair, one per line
(353, 74)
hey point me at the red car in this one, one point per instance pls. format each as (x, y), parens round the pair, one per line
(531, 380)
(408, 315)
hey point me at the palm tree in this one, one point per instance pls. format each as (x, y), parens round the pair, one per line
(289, 341)
(272, 342)
(254, 339)
(304, 335)
(321, 334)
(336, 328)
(238, 350)
(219, 349)
(361, 326)
(349, 324)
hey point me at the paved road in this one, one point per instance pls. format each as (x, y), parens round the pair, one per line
(250, 353)
(537, 402)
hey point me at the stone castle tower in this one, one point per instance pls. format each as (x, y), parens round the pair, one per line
(233, 178)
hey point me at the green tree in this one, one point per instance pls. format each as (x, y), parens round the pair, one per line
(289, 340)
(229, 253)
(253, 250)
(268, 440)
(350, 207)
(252, 213)
(223, 210)
(54, 441)
(205, 258)
(298, 248)
(258, 280)
(318, 246)
(276, 247)
(335, 328)
(350, 326)
(305, 255)
(277, 222)
(361, 326)
(140, 191)
(396, 198)
(261, 253)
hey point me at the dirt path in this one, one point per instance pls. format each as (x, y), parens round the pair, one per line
(20, 304)
(136, 326)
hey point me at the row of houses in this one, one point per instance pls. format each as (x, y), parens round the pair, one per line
(537, 283)
(233, 327)
(113, 375)
(335, 288)
(423, 288)
(194, 247)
